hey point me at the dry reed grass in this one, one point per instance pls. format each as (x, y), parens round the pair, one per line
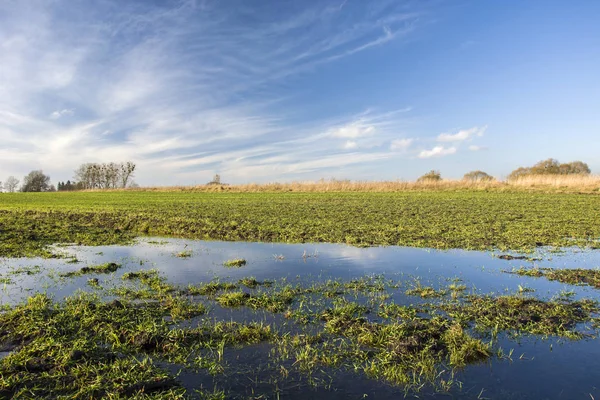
(548, 183)
(583, 182)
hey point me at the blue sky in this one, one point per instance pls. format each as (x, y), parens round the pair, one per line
(263, 91)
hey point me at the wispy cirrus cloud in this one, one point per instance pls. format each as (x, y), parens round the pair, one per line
(462, 135)
(185, 88)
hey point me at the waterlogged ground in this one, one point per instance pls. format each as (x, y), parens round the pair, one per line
(170, 318)
(454, 219)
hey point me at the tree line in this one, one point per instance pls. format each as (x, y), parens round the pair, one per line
(105, 176)
(88, 176)
(120, 175)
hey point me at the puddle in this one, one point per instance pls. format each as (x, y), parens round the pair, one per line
(480, 271)
(540, 368)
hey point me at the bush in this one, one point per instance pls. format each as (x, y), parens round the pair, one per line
(552, 167)
(478, 176)
(575, 167)
(431, 176)
(520, 173)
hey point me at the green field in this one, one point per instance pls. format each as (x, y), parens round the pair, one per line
(436, 219)
(122, 322)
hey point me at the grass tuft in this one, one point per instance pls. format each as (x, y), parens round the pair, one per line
(96, 269)
(235, 263)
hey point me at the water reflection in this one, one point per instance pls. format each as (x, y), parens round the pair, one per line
(541, 369)
(481, 271)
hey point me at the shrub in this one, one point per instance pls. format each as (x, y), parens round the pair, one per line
(519, 173)
(552, 167)
(575, 167)
(478, 176)
(431, 176)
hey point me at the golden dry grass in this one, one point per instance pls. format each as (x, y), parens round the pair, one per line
(549, 183)
(580, 182)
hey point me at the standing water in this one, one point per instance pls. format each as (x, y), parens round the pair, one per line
(527, 366)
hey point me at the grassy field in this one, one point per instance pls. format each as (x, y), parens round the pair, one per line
(442, 219)
(114, 341)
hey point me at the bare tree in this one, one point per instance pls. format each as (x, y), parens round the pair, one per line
(94, 175)
(111, 175)
(36, 181)
(79, 175)
(104, 176)
(216, 180)
(87, 175)
(127, 169)
(11, 184)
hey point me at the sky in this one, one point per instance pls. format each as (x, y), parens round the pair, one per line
(281, 90)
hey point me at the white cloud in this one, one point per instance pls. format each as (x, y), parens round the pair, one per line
(477, 148)
(401, 144)
(350, 144)
(57, 114)
(369, 124)
(353, 130)
(437, 151)
(462, 135)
